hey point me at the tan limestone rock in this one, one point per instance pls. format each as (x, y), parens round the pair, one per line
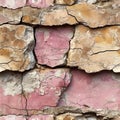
(31, 15)
(66, 2)
(56, 16)
(94, 16)
(75, 116)
(16, 45)
(10, 16)
(94, 50)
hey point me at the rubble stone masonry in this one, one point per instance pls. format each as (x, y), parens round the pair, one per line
(59, 59)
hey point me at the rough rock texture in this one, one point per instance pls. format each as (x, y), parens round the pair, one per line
(90, 15)
(12, 3)
(40, 3)
(44, 87)
(16, 48)
(73, 116)
(98, 91)
(11, 99)
(94, 50)
(43, 46)
(33, 117)
(87, 14)
(66, 2)
(52, 44)
(34, 90)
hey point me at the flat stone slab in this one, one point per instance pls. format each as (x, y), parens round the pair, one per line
(97, 91)
(52, 45)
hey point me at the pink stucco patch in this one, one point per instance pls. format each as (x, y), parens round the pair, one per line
(99, 91)
(52, 44)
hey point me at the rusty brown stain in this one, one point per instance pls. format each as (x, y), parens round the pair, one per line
(85, 51)
(68, 117)
(104, 36)
(5, 52)
(69, 2)
(26, 18)
(19, 44)
(20, 30)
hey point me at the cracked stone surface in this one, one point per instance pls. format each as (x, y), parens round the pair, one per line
(52, 44)
(88, 14)
(44, 87)
(94, 50)
(16, 48)
(11, 99)
(33, 90)
(45, 45)
(97, 91)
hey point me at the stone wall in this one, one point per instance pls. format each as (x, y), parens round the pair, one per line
(59, 59)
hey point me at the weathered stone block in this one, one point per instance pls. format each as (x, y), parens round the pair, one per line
(43, 88)
(11, 98)
(94, 50)
(40, 3)
(16, 48)
(31, 91)
(97, 91)
(12, 3)
(52, 44)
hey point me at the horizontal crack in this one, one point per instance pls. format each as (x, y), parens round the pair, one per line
(100, 52)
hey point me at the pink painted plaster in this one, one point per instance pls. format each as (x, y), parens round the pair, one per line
(40, 3)
(12, 3)
(52, 44)
(99, 91)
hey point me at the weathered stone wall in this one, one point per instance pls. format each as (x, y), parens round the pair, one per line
(59, 59)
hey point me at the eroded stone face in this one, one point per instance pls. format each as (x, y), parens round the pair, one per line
(41, 117)
(44, 87)
(52, 44)
(16, 48)
(56, 16)
(33, 117)
(66, 2)
(12, 3)
(40, 3)
(12, 117)
(74, 116)
(94, 16)
(34, 90)
(11, 98)
(94, 50)
(97, 91)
